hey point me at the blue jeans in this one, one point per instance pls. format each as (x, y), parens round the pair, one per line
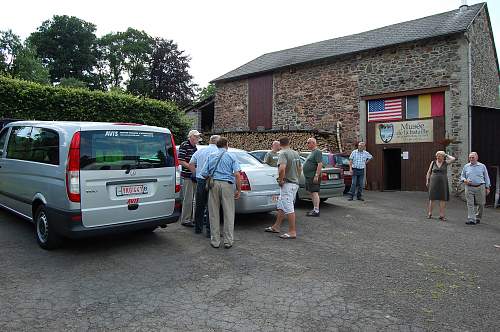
(201, 212)
(358, 182)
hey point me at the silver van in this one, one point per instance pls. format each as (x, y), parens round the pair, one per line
(75, 179)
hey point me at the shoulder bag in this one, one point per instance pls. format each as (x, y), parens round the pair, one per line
(209, 181)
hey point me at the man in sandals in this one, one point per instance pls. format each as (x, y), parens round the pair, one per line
(289, 169)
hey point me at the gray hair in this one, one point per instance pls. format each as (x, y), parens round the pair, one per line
(442, 153)
(214, 139)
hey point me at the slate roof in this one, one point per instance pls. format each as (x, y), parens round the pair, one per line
(443, 24)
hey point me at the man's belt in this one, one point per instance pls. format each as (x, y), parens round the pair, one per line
(476, 185)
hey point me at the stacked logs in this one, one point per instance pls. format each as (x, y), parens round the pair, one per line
(250, 141)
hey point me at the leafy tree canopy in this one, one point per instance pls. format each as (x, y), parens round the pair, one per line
(66, 44)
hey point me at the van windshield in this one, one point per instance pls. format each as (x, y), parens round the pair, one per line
(115, 150)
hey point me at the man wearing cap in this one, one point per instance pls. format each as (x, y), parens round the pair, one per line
(186, 151)
(477, 187)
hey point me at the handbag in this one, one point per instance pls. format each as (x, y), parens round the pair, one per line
(209, 181)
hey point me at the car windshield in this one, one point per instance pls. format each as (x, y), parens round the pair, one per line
(325, 158)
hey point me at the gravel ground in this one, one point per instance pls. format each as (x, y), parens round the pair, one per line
(373, 265)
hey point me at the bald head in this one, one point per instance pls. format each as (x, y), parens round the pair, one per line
(276, 146)
(473, 157)
(311, 143)
(214, 139)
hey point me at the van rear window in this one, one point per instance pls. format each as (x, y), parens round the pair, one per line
(118, 149)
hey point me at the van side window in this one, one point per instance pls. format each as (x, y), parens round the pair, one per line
(3, 137)
(19, 143)
(44, 146)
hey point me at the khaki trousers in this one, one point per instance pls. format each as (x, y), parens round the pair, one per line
(189, 188)
(222, 194)
(477, 196)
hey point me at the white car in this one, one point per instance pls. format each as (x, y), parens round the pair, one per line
(259, 188)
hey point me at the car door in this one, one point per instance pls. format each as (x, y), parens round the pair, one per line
(3, 140)
(16, 180)
(125, 176)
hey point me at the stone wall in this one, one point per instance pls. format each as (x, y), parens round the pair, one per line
(231, 106)
(484, 66)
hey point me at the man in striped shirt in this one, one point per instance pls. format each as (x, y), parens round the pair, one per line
(186, 151)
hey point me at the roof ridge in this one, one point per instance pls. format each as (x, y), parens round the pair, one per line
(360, 41)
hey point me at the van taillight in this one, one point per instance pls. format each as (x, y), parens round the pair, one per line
(177, 168)
(245, 184)
(73, 169)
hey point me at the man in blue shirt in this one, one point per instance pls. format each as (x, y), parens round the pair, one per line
(196, 165)
(357, 164)
(223, 167)
(477, 187)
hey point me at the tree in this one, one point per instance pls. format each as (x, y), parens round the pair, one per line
(30, 68)
(127, 55)
(206, 92)
(170, 79)
(66, 44)
(10, 45)
(72, 82)
(20, 61)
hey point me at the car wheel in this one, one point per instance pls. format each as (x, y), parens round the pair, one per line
(323, 200)
(45, 234)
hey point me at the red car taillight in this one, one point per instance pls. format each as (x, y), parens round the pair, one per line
(324, 177)
(176, 163)
(73, 169)
(245, 184)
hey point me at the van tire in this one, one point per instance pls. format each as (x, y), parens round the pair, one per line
(322, 200)
(45, 234)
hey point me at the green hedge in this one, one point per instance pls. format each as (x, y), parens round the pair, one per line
(32, 101)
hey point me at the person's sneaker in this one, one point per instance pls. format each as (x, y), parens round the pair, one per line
(227, 245)
(470, 222)
(361, 199)
(214, 246)
(478, 221)
(312, 213)
(188, 224)
(350, 198)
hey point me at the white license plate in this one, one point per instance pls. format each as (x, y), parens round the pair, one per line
(347, 173)
(333, 176)
(138, 189)
(274, 198)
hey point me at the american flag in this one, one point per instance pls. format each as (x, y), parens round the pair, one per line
(385, 109)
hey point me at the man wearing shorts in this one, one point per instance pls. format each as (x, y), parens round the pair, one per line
(312, 174)
(289, 169)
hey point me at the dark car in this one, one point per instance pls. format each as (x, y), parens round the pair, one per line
(341, 160)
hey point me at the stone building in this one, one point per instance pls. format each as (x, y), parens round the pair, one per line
(447, 62)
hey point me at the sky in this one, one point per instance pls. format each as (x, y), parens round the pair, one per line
(221, 35)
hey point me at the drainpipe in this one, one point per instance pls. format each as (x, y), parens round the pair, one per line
(469, 106)
(339, 142)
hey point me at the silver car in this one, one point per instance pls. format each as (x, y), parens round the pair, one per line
(259, 188)
(75, 179)
(332, 182)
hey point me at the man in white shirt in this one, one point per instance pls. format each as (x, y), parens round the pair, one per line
(357, 164)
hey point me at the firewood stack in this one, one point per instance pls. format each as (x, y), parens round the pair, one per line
(250, 141)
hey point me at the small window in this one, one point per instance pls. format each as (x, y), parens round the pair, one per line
(3, 138)
(44, 146)
(19, 143)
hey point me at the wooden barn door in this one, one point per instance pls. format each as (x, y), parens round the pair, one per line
(260, 102)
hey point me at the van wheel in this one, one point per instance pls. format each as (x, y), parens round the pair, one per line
(46, 236)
